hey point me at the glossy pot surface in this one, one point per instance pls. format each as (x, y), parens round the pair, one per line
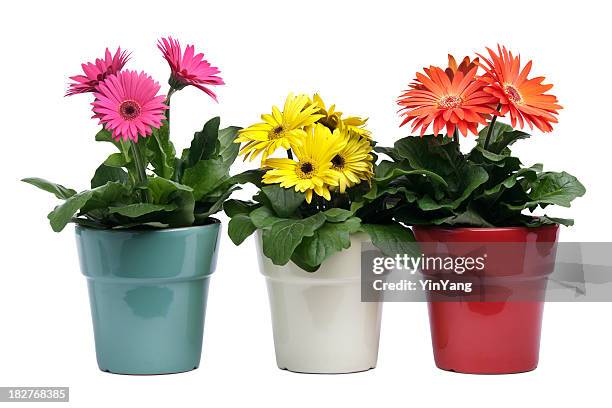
(320, 324)
(148, 292)
(498, 330)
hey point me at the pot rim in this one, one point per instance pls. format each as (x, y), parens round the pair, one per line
(484, 229)
(214, 222)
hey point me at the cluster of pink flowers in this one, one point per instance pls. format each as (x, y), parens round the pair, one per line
(127, 102)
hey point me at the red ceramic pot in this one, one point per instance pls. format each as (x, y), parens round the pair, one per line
(498, 335)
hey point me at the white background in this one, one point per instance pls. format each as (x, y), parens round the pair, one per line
(359, 55)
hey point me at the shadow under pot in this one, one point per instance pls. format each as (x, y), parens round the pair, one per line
(494, 328)
(148, 292)
(320, 324)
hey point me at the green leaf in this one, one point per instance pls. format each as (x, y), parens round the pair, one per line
(226, 148)
(161, 151)
(325, 241)
(58, 190)
(281, 239)
(394, 173)
(431, 153)
(205, 209)
(104, 136)
(296, 259)
(205, 177)
(284, 201)
(249, 176)
(240, 227)
(62, 214)
(467, 218)
(337, 214)
(86, 222)
(183, 216)
(204, 143)
(141, 224)
(140, 209)
(385, 168)
(556, 188)
(263, 217)
(165, 191)
(486, 159)
(105, 173)
(110, 194)
(493, 157)
(398, 177)
(235, 207)
(472, 178)
(389, 151)
(527, 173)
(545, 220)
(503, 135)
(116, 160)
(392, 239)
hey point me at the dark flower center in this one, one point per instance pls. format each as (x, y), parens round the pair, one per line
(450, 101)
(338, 162)
(306, 168)
(129, 110)
(513, 94)
(276, 132)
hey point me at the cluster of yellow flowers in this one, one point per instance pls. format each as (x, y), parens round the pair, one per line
(331, 153)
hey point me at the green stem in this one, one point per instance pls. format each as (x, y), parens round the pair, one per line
(168, 97)
(456, 136)
(171, 92)
(490, 130)
(141, 172)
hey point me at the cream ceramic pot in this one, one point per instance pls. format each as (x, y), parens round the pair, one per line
(320, 324)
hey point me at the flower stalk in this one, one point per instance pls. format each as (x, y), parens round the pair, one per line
(141, 173)
(490, 130)
(171, 92)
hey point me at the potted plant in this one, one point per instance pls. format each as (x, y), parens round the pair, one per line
(146, 238)
(480, 200)
(311, 220)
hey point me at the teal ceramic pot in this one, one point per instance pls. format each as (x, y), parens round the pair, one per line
(148, 291)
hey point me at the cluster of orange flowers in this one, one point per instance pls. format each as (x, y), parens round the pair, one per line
(459, 99)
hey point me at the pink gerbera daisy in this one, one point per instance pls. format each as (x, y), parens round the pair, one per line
(127, 104)
(187, 68)
(96, 72)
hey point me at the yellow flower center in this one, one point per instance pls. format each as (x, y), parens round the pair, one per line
(513, 94)
(276, 132)
(305, 170)
(450, 101)
(338, 162)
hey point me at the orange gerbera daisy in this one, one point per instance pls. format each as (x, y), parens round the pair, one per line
(465, 66)
(524, 98)
(451, 99)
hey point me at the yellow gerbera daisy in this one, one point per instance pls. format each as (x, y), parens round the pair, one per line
(330, 116)
(354, 162)
(278, 129)
(312, 172)
(355, 126)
